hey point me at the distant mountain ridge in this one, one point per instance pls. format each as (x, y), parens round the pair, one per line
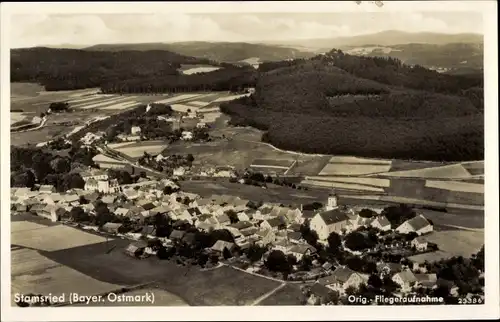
(217, 51)
(384, 38)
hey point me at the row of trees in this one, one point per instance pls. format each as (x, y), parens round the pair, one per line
(32, 165)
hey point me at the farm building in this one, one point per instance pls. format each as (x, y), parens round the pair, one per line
(418, 224)
(343, 278)
(220, 245)
(112, 228)
(136, 249)
(104, 186)
(419, 243)
(134, 130)
(187, 135)
(47, 189)
(94, 174)
(404, 278)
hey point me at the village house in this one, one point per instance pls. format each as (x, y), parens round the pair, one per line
(294, 237)
(418, 224)
(273, 224)
(137, 249)
(342, 278)
(266, 236)
(224, 172)
(112, 228)
(179, 171)
(420, 244)
(381, 222)
(47, 211)
(324, 223)
(47, 189)
(426, 280)
(405, 279)
(135, 130)
(220, 245)
(319, 294)
(94, 174)
(300, 251)
(52, 198)
(389, 268)
(122, 212)
(187, 135)
(104, 186)
(281, 245)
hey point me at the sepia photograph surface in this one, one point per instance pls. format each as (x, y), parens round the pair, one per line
(291, 157)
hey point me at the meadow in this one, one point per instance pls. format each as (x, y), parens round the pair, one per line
(137, 149)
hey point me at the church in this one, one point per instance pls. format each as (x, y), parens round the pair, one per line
(331, 219)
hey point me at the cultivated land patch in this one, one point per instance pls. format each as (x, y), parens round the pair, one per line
(34, 273)
(283, 163)
(190, 69)
(199, 103)
(183, 108)
(52, 238)
(220, 287)
(429, 257)
(474, 168)
(178, 98)
(17, 117)
(353, 169)
(402, 165)
(358, 160)
(457, 242)
(375, 182)
(230, 98)
(290, 294)
(24, 90)
(340, 185)
(455, 186)
(447, 171)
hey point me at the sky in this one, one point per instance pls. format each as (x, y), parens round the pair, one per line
(37, 29)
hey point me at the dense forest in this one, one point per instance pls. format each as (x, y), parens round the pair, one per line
(122, 72)
(374, 107)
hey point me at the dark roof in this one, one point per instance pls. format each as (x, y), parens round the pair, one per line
(320, 290)
(249, 231)
(241, 225)
(189, 238)
(308, 214)
(334, 216)
(204, 217)
(194, 211)
(177, 234)
(148, 206)
(342, 274)
(275, 222)
(148, 230)
(383, 221)
(294, 227)
(418, 222)
(294, 235)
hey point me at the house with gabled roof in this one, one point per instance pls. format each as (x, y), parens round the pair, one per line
(300, 250)
(123, 212)
(405, 279)
(294, 237)
(266, 236)
(223, 219)
(426, 280)
(342, 278)
(418, 224)
(274, 224)
(241, 225)
(47, 188)
(420, 244)
(111, 227)
(319, 294)
(389, 268)
(326, 222)
(381, 222)
(220, 245)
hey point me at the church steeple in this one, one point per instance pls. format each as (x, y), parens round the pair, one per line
(332, 202)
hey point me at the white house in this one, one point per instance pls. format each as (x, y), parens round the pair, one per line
(300, 250)
(418, 224)
(324, 223)
(381, 222)
(404, 279)
(134, 130)
(180, 171)
(187, 135)
(419, 243)
(342, 278)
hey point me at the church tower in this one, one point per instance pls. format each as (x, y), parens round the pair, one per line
(332, 202)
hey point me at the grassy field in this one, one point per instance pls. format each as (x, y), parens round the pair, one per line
(290, 294)
(457, 242)
(282, 163)
(474, 168)
(189, 69)
(402, 165)
(136, 149)
(34, 273)
(447, 172)
(353, 169)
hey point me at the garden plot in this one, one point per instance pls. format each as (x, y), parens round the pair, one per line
(272, 163)
(53, 238)
(120, 106)
(101, 103)
(377, 182)
(447, 171)
(353, 169)
(455, 186)
(340, 185)
(34, 273)
(356, 160)
(177, 98)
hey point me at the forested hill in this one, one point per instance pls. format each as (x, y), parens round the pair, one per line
(218, 51)
(122, 71)
(366, 106)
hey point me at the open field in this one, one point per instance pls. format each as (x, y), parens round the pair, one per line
(340, 185)
(402, 165)
(429, 257)
(189, 69)
(457, 242)
(17, 117)
(455, 186)
(24, 90)
(353, 169)
(34, 273)
(375, 182)
(447, 171)
(282, 163)
(51, 238)
(358, 160)
(290, 294)
(230, 98)
(474, 168)
(137, 149)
